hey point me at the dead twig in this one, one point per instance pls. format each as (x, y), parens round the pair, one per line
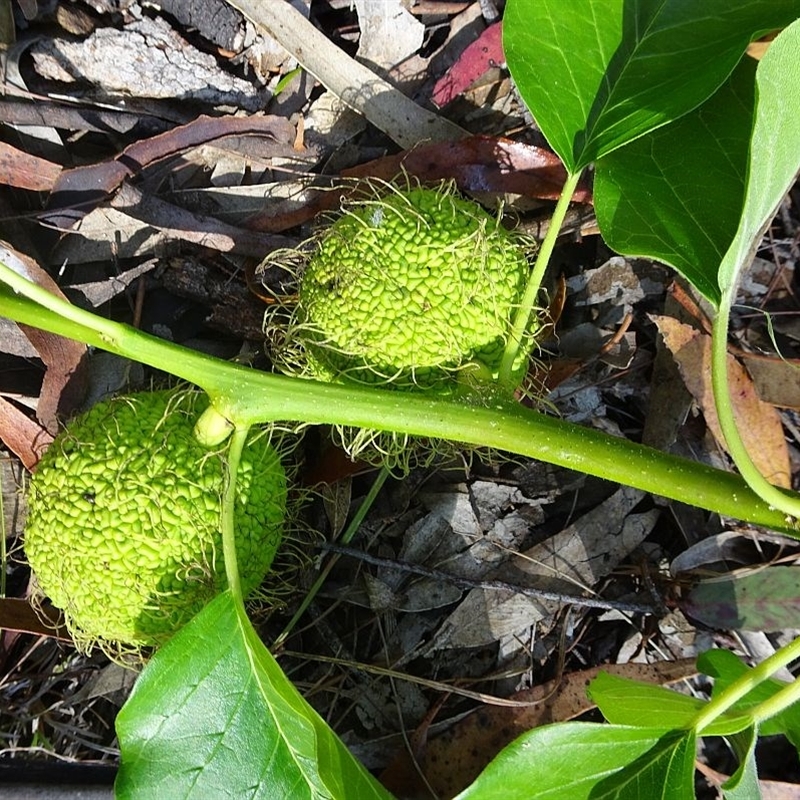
(497, 586)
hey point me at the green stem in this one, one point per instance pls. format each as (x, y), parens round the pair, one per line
(786, 697)
(249, 397)
(522, 317)
(744, 685)
(779, 499)
(350, 532)
(234, 454)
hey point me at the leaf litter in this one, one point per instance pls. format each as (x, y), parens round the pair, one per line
(156, 211)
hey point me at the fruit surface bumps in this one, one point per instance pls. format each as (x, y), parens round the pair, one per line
(123, 527)
(409, 289)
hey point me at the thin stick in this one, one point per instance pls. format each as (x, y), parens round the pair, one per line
(497, 586)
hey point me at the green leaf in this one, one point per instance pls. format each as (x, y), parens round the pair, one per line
(743, 784)
(596, 74)
(725, 668)
(574, 760)
(774, 151)
(214, 716)
(648, 196)
(627, 702)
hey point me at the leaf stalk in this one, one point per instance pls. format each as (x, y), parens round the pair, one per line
(747, 682)
(522, 317)
(786, 502)
(234, 455)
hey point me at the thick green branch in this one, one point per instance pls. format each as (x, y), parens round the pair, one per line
(248, 397)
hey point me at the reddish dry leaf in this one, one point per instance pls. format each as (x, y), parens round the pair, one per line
(759, 423)
(477, 164)
(64, 382)
(452, 760)
(22, 436)
(79, 190)
(480, 164)
(26, 171)
(485, 52)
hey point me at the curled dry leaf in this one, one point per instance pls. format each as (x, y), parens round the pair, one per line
(477, 164)
(26, 171)
(78, 191)
(480, 164)
(479, 56)
(64, 380)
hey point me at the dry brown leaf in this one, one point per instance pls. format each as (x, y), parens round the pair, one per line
(64, 382)
(452, 760)
(390, 34)
(777, 380)
(186, 226)
(77, 191)
(759, 423)
(20, 434)
(576, 557)
(18, 615)
(26, 171)
(476, 163)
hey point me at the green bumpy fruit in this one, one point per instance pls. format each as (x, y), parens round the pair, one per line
(123, 528)
(411, 289)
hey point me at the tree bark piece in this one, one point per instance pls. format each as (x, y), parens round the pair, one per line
(384, 106)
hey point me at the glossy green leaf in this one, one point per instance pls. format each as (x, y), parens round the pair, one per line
(575, 760)
(213, 716)
(627, 702)
(725, 668)
(596, 74)
(774, 151)
(650, 200)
